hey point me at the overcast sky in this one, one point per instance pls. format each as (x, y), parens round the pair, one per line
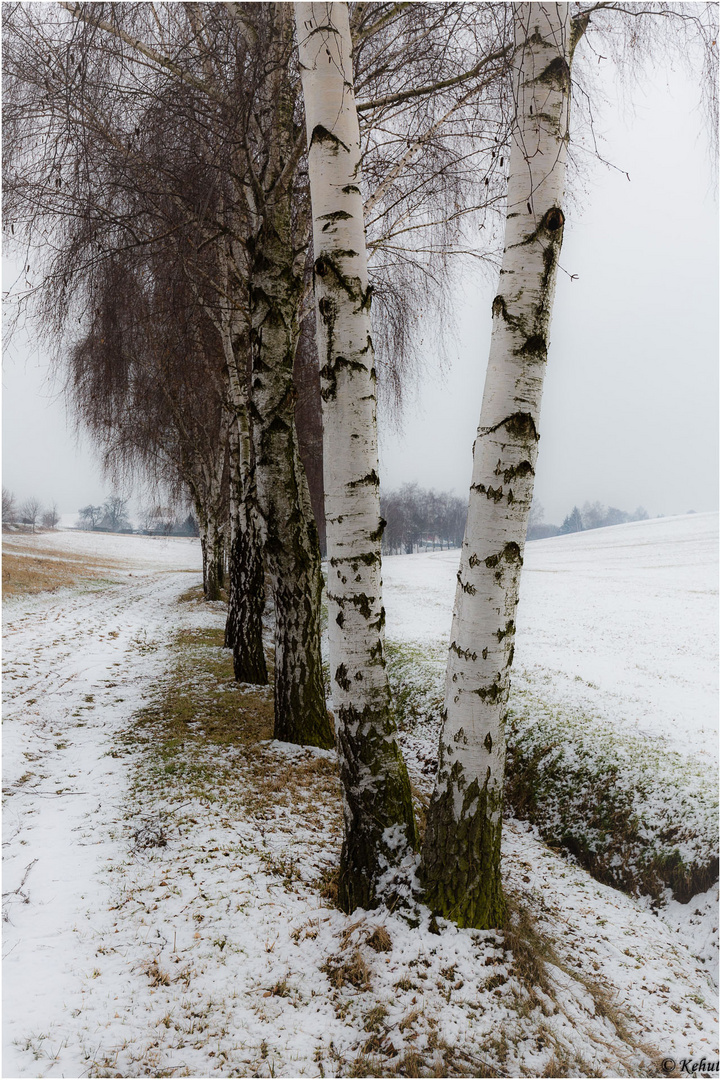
(630, 410)
(631, 401)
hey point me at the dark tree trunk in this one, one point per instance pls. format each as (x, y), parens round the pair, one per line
(246, 601)
(309, 421)
(214, 575)
(291, 536)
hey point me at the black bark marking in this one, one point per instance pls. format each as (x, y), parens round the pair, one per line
(335, 215)
(535, 346)
(466, 586)
(377, 534)
(465, 654)
(491, 493)
(341, 677)
(369, 478)
(553, 219)
(521, 426)
(513, 472)
(490, 693)
(556, 74)
(511, 553)
(322, 135)
(366, 558)
(500, 310)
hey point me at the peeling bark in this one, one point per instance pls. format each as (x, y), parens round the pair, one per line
(378, 810)
(461, 855)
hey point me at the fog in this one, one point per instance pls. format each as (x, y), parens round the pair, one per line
(631, 400)
(630, 411)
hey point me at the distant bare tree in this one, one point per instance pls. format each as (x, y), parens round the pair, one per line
(30, 512)
(9, 508)
(90, 516)
(593, 515)
(115, 514)
(51, 517)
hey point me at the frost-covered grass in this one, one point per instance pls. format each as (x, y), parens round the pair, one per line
(223, 824)
(632, 811)
(620, 623)
(635, 813)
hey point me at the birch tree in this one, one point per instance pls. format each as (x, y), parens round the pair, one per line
(462, 847)
(377, 803)
(93, 95)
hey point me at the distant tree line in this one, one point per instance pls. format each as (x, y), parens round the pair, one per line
(418, 519)
(110, 516)
(156, 520)
(589, 516)
(29, 513)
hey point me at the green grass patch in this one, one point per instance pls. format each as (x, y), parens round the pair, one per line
(416, 677)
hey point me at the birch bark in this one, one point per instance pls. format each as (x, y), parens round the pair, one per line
(378, 811)
(246, 570)
(276, 258)
(461, 854)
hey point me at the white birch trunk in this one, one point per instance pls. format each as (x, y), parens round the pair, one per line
(378, 808)
(461, 856)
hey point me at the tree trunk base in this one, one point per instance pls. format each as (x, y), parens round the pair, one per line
(377, 806)
(461, 870)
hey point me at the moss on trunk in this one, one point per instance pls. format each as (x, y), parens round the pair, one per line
(377, 804)
(462, 857)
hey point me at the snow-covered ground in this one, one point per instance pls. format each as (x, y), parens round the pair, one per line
(622, 621)
(141, 552)
(216, 955)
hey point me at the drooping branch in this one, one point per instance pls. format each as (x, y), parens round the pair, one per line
(78, 12)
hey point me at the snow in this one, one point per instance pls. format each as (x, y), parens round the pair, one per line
(215, 953)
(143, 552)
(622, 622)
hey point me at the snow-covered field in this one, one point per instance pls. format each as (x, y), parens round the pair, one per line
(215, 954)
(622, 620)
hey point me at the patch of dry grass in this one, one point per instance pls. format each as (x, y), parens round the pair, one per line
(204, 736)
(24, 574)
